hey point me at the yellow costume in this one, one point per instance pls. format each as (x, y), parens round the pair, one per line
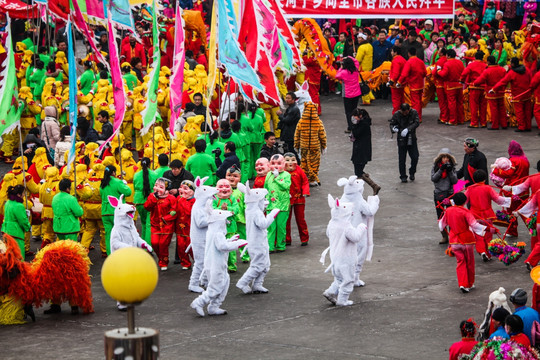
(91, 197)
(47, 190)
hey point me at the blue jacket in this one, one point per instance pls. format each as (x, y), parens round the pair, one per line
(380, 52)
(528, 315)
(500, 332)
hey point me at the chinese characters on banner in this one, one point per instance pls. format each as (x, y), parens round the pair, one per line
(367, 8)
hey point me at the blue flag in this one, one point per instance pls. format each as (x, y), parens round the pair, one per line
(72, 95)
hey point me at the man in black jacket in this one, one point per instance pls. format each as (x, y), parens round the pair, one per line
(404, 122)
(412, 42)
(177, 174)
(288, 121)
(230, 160)
(106, 127)
(473, 160)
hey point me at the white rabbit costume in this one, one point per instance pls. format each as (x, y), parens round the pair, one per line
(124, 233)
(256, 225)
(197, 233)
(343, 238)
(215, 260)
(363, 213)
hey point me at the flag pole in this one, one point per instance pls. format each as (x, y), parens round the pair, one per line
(23, 167)
(120, 157)
(153, 145)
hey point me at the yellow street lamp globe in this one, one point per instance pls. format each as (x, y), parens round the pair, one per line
(129, 275)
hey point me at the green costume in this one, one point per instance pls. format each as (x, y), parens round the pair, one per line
(242, 147)
(500, 58)
(131, 81)
(86, 81)
(213, 146)
(29, 44)
(254, 129)
(240, 219)
(34, 82)
(201, 164)
(16, 222)
(46, 59)
(67, 211)
(231, 204)
(159, 173)
(139, 200)
(278, 198)
(116, 187)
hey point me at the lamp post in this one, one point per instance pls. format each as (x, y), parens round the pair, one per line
(130, 275)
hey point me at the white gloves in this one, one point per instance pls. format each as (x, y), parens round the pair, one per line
(507, 188)
(404, 132)
(395, 129)
(276, 173)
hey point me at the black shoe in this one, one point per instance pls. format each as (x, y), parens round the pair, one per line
(280, 251)
(493, 128)
(54, 309)
(29, 311)
(464, 289)
(411, 177)
(529, 266)
(483, 126)
(245, 261)
(288, 244)
(472, 127)
(404, 180)
(74, 310)
(231, 271)
(347, 131)
(304, 244)
(519, 130)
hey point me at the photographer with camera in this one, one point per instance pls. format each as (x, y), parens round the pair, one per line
(229, 160)
(404, 122)
(443, 176)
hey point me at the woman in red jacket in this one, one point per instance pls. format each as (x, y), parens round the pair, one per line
(465, 346)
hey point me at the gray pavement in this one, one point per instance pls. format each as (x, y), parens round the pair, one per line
(410, 307)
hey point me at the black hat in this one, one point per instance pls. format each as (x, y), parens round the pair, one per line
(500, 314)
(518, 297)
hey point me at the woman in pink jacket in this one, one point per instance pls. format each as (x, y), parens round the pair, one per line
(348, 74)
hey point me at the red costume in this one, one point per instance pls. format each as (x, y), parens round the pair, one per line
(535, 87)
(480, 197)
(259, 182)
(527, 211)
(183, 225)
(129, 52)
(162, 222)
(414, 72)
(491, 76)
(299, 190)
(462, 241)
(520, 85)
(398, 97)
(521, 339)
(451, 74)
(313, 76)
(441, 94)
(463, 347)
(477, 100)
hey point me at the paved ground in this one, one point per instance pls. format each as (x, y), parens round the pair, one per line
(410, 307)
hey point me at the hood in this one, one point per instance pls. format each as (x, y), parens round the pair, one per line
(520, 69)
(226, 134)
(51, 111)
(445, 152)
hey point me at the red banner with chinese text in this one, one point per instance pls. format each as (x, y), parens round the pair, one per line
(366, 9)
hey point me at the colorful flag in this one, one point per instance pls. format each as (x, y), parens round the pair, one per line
(285, 32)
(9, 114)
(230, 54)
(177, 78)
(95, 9)
(72, 74)
(212, 60)
(83, 27)
(150, 113)
(119, 94)
(121, 12)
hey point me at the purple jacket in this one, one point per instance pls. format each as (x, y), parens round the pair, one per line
(351, 82)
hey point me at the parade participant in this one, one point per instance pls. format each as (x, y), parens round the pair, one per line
(451, 73)
(480, 197)
(217, 248)
(262, 167)
(298, 192)
(413, 75)
(87, 79)
(162, 208)
(288, 121)
(67, 211)
(499, 53)
(364, 56)
(477, 98)
(184, 204)
(143, 181)
(47, 191)
(278, 184)
(514, 326)
(498, 318)
(313, 77)
(404, 123)
(131, 50)
(468, 341)
(310, 142)
(519, 79)
(528, 210)
(343, 238)
(491, 76)
(473, 160)
(202, 164)
(16, 222)
(348, 74)
(256, 225)
(91, 202)
(443, 176)
(233, 177)
(110, 186)
(528, 315)
(398, 63)
(535, 87)
(252, 124)
(463, 226)
(439, 84)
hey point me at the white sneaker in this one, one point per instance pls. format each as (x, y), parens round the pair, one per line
(163, 268)
(464, 289)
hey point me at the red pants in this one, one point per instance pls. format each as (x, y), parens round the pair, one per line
(455, 106)
(398, 98)
(314, 93)
(523, 110)
(478, 106)
(536, 297)
(160, 243)
(534, 256)
(537, 114)
(182, 242)
(416, 102)
(443, 104)
(298, 210)
(465, 264)
(512, 227)
(498, 113)
(482, 243)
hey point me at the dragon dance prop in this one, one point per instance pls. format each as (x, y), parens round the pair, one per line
(58, 273)
(309, 34)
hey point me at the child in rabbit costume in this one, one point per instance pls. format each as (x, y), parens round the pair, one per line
(124, 233)
(215, 260)
(343, 238)
(363, 213)
(197, 232)
(256, 225)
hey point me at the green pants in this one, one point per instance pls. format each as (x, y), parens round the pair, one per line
(277, 232)
(145, 223)
(108, 223)
(72, 236)
(255, 149)
(20, 242)
(231, 262)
